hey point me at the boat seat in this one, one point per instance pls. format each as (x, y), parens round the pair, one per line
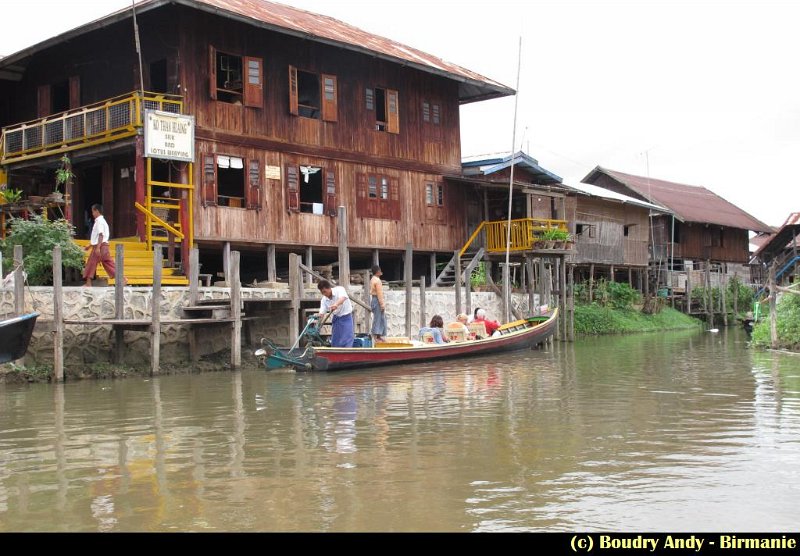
(478, 328)
(455, 332)
(427, 338)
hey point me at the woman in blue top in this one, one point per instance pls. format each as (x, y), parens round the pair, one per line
(436, 328)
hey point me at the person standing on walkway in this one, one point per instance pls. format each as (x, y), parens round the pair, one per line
(378, 305)
(99, 245)
(336, 301)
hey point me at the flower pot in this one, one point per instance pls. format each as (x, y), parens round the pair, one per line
(558, 245)
(549, 244)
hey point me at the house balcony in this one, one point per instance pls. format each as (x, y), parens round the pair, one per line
(525, 232)
(88, 126)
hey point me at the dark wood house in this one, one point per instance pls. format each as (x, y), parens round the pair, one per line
(295, 115)
(703, 228)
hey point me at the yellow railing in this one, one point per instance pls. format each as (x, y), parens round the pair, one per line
(524, 232)
(167, 204)
(153, 218)
(90, 125)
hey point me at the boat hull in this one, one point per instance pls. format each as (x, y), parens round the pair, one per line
(335, 359)
(15, 335)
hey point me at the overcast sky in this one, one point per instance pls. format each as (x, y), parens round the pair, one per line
(701, 92)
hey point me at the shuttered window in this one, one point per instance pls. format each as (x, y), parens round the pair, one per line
(254, 83)
(235, 79)
(377, 196)
(209, 180)
(330, 107)
(292, 188)
(254, 185)
(385, 103)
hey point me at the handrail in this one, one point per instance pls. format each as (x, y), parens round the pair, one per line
(472, 238)
(160, 222)
(524, 231)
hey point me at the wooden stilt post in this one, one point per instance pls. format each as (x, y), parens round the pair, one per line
(773, 310)
(736, 295)
(630, 276)
(722, 286)
(236, 311)
(344, 259)
(19, 281)
(613, 274)
(639, 279)
(408, 277)
(457, 278)
(119, 303)
(310, 264)
(433, 269)
(194, 295)
(422, 309)
(376, 257)
(58, 316)
(563, 297)
(591, 283)
(571, 304)
(646, 285)
(531, 283)
(709, 296)
(294, 297)
(155, 310)
(226, 262)
(542, 299)
(468, 294)
(688, 292)
(272, 271)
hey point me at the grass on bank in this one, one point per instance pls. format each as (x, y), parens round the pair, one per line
(788, 310)
(595, 319)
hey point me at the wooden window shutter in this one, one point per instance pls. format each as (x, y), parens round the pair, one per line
(330, 92)
(394, 196)
(293, 188)
(254, 185)
(43, 101)
(330, 192)
(393, 111)
(254, 82)
(209, 180)
(370, 96)
(437, 114)
(362, 201)
(74, 92)
(212, 72)
(426, 111)
(294, 108)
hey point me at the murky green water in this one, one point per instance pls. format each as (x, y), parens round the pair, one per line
(681, 431)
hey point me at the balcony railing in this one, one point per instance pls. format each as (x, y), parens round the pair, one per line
(90, 125)
(524, 232)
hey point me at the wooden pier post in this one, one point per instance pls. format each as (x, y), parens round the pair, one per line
(541, 284)
(468, 292)
(309, 262)
(119, 303)
(709, 296)
(194, 296)
(736, 295)
(226, 262)
(155, 310)
(236, 311)
(723, 283)
(773, 311)
(294, 297)
(613, 278)
(19, 281)
(630, 276)
(563, 297)
(58, 316)
(531, 283)
(376, 257)
(344, 257)
(457, 278)
(571, 305)
(408, 277)
(591, 283)
(688, 292)
(422, 320)
(433, 269)
(272, 271)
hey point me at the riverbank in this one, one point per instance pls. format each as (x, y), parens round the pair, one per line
(594, 319)
(788, 325)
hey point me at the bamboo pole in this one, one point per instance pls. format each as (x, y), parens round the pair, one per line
(506, 291)
(119, 303)
(236, 311)
(155, 310)
(344, 260)
(773, 310)
(272, 271)
(294, 297)
(58, 316)
(408, 277)
(19, 281)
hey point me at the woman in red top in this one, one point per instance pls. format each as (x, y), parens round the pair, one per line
(491, 325)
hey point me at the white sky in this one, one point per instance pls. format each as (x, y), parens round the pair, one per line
(710, 90)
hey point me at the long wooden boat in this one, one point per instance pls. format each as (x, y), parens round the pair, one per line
(15, 335)
(523, 334)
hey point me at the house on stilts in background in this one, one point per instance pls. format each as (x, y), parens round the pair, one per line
(291, 115)
(699, 232)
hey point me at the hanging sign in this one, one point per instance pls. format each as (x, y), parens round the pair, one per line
(168, 136)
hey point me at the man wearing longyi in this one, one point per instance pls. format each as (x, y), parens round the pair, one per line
(336, 301)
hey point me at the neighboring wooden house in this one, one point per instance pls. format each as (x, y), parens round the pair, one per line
(781, 248)
(295, 114)
(612, 233)
(702, 227)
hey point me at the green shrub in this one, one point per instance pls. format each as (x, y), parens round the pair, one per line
(478, 276)
(617, 295)
(788, 310)
(38, 237)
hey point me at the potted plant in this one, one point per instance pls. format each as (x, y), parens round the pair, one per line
(11, 196)
(64, 175)
(550, 236)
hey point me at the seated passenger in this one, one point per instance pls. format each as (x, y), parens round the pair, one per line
(435, 329)
(491, 325)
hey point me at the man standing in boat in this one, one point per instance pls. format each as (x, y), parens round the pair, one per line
(378, 305)
(336, 301)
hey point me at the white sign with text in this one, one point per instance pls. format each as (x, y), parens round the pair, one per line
(168, 136)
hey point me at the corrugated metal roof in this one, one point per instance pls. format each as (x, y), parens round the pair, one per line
(595, 191)
(773, 244)
(286, 19)
(690, 203)
(473, 166)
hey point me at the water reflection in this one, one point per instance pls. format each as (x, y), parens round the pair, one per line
(680, 431)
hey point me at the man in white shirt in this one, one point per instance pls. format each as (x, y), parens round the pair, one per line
(99, 245)
(336, 301)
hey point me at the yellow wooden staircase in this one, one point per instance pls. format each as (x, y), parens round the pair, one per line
(138, 264)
